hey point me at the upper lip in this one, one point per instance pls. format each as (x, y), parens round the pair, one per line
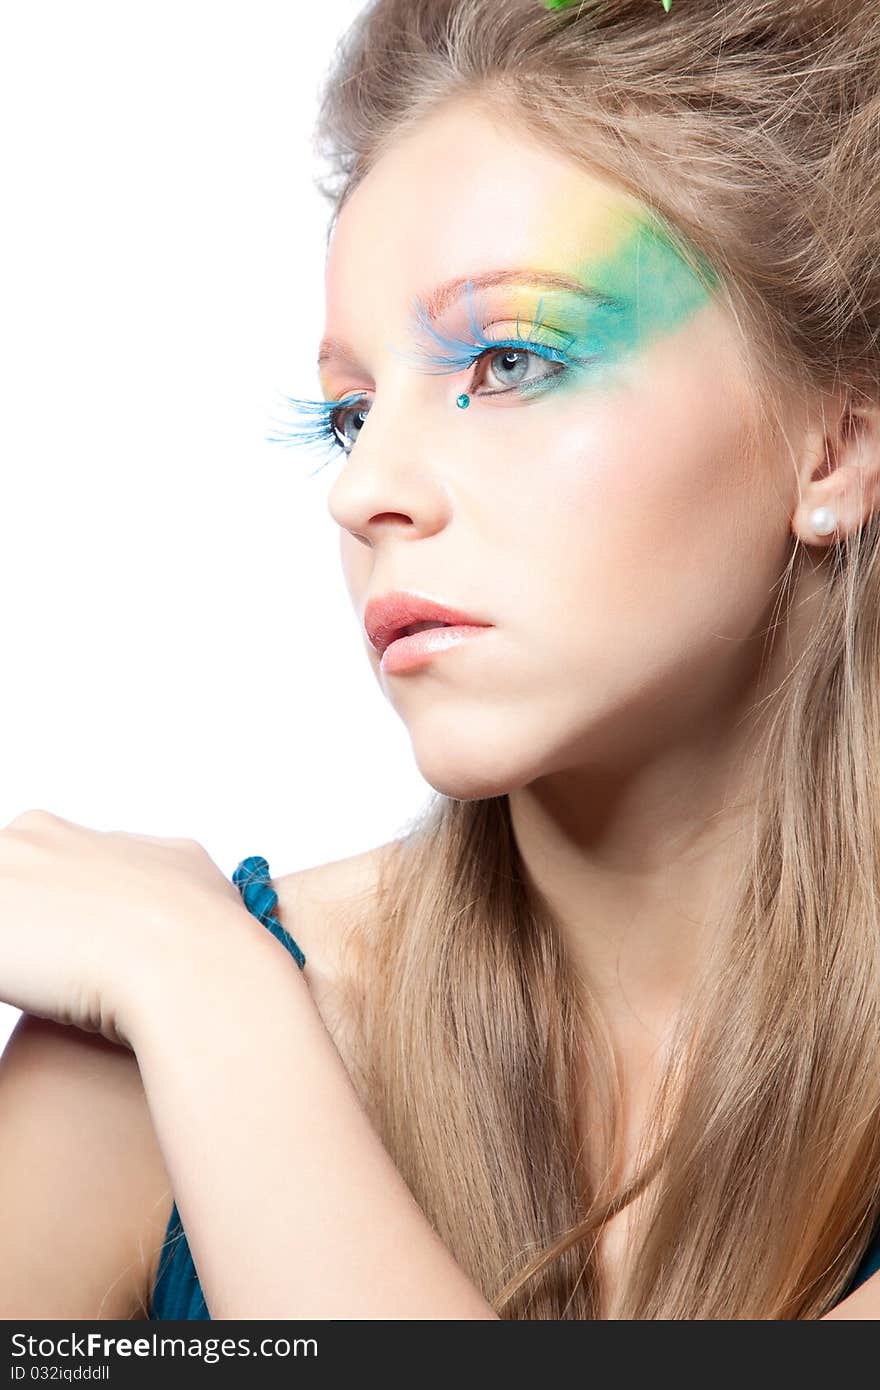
(387, 616)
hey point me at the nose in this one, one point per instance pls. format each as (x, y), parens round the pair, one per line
(392, 482)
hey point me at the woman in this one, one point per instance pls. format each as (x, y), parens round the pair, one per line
(601, 378)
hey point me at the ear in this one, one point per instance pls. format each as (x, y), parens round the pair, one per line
(840, 476)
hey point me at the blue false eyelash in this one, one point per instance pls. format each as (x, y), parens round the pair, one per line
(313, 424)
(462, 352)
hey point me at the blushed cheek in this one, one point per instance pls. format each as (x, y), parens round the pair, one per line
(649, 529)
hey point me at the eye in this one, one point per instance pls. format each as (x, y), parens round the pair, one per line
(510, 363)
(514, 367)
(346, 423)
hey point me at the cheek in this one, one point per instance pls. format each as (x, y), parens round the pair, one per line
(648, 528)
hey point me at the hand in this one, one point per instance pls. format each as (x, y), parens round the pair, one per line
(90, 918)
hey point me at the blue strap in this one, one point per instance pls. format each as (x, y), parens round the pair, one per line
(253, 882)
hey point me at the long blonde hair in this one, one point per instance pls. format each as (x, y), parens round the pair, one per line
(753, 129)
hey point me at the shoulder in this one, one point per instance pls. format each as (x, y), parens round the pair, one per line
(315, 904)
(353, 876)
(322, 907)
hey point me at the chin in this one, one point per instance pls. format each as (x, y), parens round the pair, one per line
(466, 772)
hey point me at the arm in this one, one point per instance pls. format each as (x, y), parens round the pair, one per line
(292, 1206)
(84, 1197)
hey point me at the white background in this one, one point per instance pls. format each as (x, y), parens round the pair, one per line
(180, 654)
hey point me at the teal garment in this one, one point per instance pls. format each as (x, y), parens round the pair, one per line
(178, 1293)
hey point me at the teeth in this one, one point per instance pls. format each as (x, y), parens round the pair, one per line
(420, 627)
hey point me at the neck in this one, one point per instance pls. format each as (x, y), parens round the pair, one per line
(637, 866)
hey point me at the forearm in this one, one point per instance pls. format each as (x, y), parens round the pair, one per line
(292, 1206)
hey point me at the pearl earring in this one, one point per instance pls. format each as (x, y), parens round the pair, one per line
(823, 521)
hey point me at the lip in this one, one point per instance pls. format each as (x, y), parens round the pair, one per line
(408, 653)
(386, 616)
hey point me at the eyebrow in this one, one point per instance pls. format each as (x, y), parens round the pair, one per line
(440, 298)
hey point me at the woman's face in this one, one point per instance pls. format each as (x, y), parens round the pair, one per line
(612, 523)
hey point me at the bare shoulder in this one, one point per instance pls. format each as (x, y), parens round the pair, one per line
(315, 903)
(318, 906)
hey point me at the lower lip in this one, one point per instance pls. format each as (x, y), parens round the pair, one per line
(409, 652)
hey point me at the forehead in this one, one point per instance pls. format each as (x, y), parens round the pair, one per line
(463, 190)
